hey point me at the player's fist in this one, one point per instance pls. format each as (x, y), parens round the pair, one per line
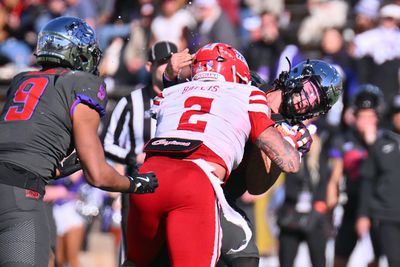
(297, 135)
(143, 183)
(68, 165)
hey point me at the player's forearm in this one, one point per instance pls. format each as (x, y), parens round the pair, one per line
(107, 178)
(97, 171)
(281, 152)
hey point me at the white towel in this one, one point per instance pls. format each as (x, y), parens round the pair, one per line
(229, 213)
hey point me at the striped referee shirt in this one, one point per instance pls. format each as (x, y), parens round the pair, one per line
(130, 126)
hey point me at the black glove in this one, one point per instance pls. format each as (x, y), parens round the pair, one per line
(143, 183)
(69, 165)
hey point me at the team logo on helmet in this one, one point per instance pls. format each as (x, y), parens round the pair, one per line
(101, 94)
(240, 57)
(209, 65)
(68, 42)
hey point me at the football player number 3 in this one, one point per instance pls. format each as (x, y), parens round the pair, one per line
(26, 98)
(200, 106)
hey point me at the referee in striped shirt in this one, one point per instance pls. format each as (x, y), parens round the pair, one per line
(131, 126)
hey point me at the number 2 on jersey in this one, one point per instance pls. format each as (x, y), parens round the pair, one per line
(205, 107)
(26, 98)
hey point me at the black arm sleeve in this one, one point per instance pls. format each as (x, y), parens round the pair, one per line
(167, 83)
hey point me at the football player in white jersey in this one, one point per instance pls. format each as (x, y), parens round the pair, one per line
(255, 173)
(202, 127)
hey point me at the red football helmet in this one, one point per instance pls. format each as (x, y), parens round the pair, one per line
(219, 61)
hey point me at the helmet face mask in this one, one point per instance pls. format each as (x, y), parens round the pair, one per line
(219, 61)
(303, 99)
(310, 89)
(258, 82)
(68, 42)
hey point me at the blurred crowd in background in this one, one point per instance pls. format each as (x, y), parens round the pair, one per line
(342, 32)
(361, 38)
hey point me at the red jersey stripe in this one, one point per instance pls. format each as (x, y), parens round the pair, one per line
(264, 102)
(257, 93)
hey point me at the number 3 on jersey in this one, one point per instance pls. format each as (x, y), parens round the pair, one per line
(26, 98)
(195, 102)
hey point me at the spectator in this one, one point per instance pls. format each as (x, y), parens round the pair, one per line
(172, 24)
(124, 60)
(231, 9)
(347, 155)
(276, 7)
(124, 19)
(13, 35)
(378, 54)
(104, 10)
(213, 25)
(323, 14)
(251, 31)
(367, 13)
(126, 11)
(84, 9)
(380, 187)
(263, 54)
(54, 9)
(32, 11)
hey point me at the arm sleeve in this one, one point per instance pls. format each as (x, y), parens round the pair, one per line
(168, 83)
(258, 114)
(116, 140)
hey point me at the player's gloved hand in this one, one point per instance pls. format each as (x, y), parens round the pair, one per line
(143, 183)
(297, 135)
(69, 165)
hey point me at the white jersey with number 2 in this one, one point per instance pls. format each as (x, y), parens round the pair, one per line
(223, 115)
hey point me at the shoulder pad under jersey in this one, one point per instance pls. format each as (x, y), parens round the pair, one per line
(88, 89)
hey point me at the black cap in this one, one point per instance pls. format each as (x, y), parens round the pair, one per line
(161, 51)
(369, 97)
(395, 105)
